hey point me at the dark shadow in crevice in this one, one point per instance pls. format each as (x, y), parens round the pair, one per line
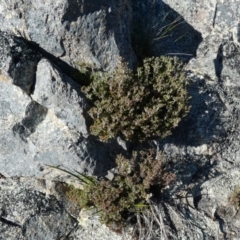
(196, 200)
(65, 68)
(218, 62)
(104, 155)
(159, 30)
(22, 61)
(221, 223)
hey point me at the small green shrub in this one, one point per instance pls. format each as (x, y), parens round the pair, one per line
(128, 192)
(235, 197)
(141, 105)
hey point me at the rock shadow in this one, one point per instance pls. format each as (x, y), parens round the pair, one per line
(104, 155)
(34, 115)
(159, 30)
(64, 68)
(204, 122)
(203, 126)
(19, 60)
(218, 62)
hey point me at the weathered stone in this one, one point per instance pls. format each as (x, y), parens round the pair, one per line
(215, 202)
(200, 14)
(42, 119)
(47, 127)
(31, 209)
(75, 31)
(55, 91)
(209, 177)
(218, 22)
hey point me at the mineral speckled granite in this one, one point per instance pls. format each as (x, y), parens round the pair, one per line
(75, 31)
(43, 116)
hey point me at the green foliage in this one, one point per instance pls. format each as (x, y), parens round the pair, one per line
(129, 190)
(235, 197)
(81, 177)
(141, 105)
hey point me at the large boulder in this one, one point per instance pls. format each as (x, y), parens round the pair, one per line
(75, 31)
(45, 127)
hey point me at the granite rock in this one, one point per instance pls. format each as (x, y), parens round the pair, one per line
(75, 31)
(43, 115)
(32, 208)
(45, 127)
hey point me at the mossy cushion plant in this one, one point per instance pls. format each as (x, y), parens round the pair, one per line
(140, 105)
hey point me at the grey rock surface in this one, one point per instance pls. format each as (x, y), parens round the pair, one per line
(205, 147)
(32, 209)
(55, 91)
(46, 127)
(218, 22)
(200, 14)
(75, 31)
(43, 120)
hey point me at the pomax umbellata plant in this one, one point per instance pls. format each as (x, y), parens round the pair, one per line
(138, 105)
(128, 192)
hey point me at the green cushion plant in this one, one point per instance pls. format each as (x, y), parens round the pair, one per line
(138, 105)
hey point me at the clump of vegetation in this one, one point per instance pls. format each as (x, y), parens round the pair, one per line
(129, 191)
(235, 197)
(141, 105)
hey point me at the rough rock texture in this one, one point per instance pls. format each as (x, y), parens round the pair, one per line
(205, 147)
(200, 14)
(43, 119)
(59, 93)
(44, 128)
(33, 209)
(218, 21)
(75, 31)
